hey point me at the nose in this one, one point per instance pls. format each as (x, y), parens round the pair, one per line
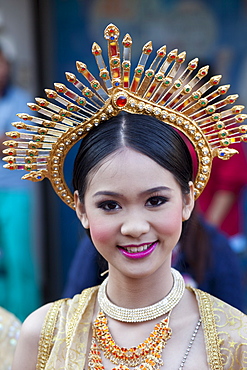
(135, 225)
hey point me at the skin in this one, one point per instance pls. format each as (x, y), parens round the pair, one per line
(130, 201)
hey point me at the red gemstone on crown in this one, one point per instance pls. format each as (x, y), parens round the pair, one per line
(121, 101)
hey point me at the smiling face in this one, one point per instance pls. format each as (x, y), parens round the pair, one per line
(134, 209)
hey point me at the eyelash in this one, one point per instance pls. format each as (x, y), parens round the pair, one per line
(108, 203)
(161, 200)
(105, 204)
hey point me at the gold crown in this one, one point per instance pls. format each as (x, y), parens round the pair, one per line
(172, 96)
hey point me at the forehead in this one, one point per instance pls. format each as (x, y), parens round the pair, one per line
(127, 168)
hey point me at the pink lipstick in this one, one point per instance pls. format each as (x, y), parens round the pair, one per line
(142, 254)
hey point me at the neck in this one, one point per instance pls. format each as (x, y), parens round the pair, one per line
(129, 292)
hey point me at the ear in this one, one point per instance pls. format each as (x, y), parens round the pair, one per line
(188, 202)
(80, 210)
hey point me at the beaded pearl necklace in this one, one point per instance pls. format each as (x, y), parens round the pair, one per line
(146, 313)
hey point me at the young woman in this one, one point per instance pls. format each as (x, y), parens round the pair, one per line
(133, 191)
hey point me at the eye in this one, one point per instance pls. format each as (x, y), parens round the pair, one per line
(109, 205)
(156, 201)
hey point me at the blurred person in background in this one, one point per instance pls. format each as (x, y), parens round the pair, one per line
(9, 334)
(222, 201)
(19, 291)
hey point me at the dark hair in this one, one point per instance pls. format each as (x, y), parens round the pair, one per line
(145, 134)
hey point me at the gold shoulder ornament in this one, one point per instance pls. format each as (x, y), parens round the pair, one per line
(175, 96)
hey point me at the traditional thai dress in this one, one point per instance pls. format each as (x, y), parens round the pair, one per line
(65, 334)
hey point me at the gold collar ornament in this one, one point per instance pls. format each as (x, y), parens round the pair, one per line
(161, 90)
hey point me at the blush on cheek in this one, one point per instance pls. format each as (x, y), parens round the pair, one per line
(100, 234)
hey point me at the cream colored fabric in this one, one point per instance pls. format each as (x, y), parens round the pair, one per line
(9, 333)
(69, 323)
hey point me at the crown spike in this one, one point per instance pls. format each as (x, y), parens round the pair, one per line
(149, 86)
(55, 108)
(152, 95)
(181, 95)
(111, 34)
(100, 95)
(126, 64)
(146, 51)
(167, 89)
(82, 88)
(104, 74)
(193, 103)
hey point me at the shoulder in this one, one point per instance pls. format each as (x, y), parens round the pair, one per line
(230, 314)
(230, 323)
(27, 347)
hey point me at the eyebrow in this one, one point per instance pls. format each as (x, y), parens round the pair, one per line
(156, 189)
(148, 191)
(106, 192)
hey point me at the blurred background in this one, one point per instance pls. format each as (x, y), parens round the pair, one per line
(45, 38)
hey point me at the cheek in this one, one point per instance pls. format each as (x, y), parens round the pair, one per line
(171, 224)
(101, 233)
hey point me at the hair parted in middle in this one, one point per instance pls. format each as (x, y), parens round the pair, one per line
(145, 134)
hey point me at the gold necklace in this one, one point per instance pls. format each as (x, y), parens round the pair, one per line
(146, 356)
(146, 313)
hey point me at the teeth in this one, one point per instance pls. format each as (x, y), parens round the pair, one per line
(138, 249)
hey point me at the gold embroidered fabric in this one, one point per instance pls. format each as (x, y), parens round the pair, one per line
(224, 327)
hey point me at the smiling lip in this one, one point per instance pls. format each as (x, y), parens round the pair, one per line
(140, 251)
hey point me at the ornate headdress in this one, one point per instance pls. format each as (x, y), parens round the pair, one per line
(161, 90)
